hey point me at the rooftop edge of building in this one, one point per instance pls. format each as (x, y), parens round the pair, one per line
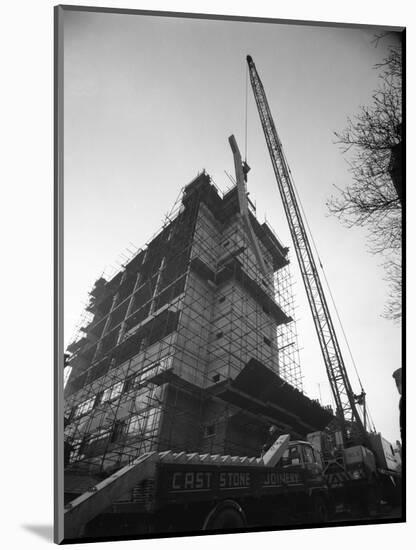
(227, 204)
(202, 184)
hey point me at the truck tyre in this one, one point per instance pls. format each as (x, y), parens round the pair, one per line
(226, 515)
(319, 510)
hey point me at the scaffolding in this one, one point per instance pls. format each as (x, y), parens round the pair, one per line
(181, 315)
(287, 336)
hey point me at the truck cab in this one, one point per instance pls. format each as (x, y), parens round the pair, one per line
(302, 454)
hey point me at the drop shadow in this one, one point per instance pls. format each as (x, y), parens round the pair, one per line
(43, 531)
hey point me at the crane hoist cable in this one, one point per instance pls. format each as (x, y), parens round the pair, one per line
(366, 411)
(310, 234)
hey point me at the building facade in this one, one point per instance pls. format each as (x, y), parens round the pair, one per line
(187, 346)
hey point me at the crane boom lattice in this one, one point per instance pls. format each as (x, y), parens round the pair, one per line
(336, 371)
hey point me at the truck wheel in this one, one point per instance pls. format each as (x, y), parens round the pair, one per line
(319, 510)
(226, 515)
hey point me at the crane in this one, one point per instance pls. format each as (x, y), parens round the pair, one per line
(345, 399)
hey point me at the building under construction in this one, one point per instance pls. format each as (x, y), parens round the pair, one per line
(191, 346)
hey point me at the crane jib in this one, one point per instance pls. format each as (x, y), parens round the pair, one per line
(334, 363)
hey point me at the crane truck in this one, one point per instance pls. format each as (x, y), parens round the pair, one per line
(356, 461)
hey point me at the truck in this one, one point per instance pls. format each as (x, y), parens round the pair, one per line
(295, 482)
(359, 478)
(168, 492)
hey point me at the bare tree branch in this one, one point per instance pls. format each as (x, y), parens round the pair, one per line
(370, 141)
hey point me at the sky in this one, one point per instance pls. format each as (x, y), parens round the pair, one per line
(151, 101)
